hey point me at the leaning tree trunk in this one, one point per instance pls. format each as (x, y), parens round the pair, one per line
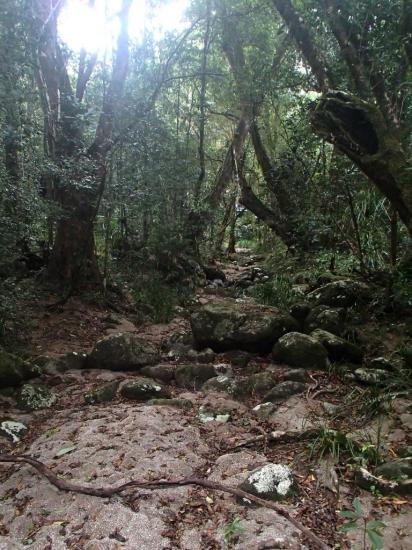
(358, 129)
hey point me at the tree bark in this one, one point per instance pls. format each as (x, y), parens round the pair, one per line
(358, 129)
(79, 185)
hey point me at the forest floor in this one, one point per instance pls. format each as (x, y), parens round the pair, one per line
(121, 440)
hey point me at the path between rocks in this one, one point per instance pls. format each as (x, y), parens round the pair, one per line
(115, 442)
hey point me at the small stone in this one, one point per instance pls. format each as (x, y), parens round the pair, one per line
(238, 358)
(270, 482)
(142, 389)
(330, 408)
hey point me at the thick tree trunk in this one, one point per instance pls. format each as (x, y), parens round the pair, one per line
(358, 129)
(80, 181)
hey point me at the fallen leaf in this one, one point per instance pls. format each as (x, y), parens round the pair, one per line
(65, 451)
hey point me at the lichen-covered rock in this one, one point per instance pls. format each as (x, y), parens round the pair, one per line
(396, 470)
(213, 414)
(192, 377)
(230, 325)
(343, 293)
(104, 393)
(300, 350)
(12, 430)
(284, 390)
(325, 318)
(14, 370)
(270, 482)
(122, 351)
(221, 383)
(142, 389)
(264, 410)
(163, 372)
(338, 349)
(373, 377)
(33, 397)
(369, 481)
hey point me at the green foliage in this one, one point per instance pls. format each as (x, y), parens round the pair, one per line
(232, 530)
(278, 292)
(370, 528)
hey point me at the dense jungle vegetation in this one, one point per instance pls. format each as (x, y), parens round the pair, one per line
(182, 176)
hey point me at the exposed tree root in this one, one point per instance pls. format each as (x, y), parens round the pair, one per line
(64, 485)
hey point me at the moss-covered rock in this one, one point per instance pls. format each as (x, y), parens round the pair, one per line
(325, 318)
(104, 393)
(338, 348)
(13, 370)
(283, 391)
(342, 293)
(122, 351)
(142, 389)
(300, 350)
(192, 377)
(229, 325)
(177, 403)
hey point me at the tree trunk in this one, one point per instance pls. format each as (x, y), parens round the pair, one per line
(358, 129)
(81, 172)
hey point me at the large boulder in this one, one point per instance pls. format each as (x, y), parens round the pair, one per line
(14, 370)
(325, 318)
(230, 325)
(338, 348)
(122, 351)
(300, 350)
(343, 293)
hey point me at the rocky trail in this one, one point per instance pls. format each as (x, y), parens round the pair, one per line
(277, 404)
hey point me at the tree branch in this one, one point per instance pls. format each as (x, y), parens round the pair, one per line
(105, 492)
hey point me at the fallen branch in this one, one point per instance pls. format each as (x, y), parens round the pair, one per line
(277, 437)
(64, 485)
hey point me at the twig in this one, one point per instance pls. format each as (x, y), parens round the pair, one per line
(103, 492)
